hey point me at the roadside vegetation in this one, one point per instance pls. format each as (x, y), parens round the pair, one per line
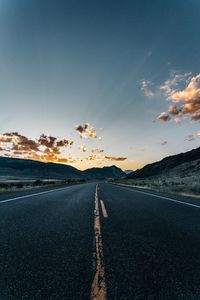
(188, 185)
(6, 186)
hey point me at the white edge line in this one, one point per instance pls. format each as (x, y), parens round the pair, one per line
(32, 195)
(162, 197)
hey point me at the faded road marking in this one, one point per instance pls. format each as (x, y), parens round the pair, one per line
(98, 290)
(103, 209)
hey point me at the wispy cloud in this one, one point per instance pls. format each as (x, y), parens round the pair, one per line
(145, 87)
(170, 86)
(163, 143)
(114, 158)
(192, 137)
(96, 150)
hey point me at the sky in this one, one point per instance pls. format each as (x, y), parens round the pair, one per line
(97, 83)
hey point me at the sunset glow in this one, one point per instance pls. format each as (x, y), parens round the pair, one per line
(106, 85)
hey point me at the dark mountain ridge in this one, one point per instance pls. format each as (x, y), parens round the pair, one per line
(23, 168)
(105, 172)
(182, 164)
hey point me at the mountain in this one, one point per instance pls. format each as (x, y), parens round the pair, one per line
(128, 171)
(15, 168)
(30, 169)
(183, 164)
(102, 173)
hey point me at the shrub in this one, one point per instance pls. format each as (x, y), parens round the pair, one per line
(38, 182)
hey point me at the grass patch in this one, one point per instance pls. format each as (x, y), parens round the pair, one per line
(185, 185)
(17, 186)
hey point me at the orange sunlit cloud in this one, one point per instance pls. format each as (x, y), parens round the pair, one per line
(114, 158)
(83, 148)
(45, 148)
(86, 131)
(185, 102)
(48, 148)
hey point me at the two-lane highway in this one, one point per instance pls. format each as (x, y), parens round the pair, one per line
(99, 242)
(47, 244)
(151, 245)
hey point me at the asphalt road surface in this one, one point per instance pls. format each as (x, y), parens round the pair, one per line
(99, 241)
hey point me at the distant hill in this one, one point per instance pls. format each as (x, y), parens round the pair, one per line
(128, 171)
(15, 168)
(29, 169)
(183, 164)
(105, 172)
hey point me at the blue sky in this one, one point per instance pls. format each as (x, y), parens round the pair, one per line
(65, 63)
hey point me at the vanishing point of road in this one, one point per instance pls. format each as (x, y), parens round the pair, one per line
(99, 241)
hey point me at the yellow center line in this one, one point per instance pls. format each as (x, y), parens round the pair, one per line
(98, 290)
(105, 214)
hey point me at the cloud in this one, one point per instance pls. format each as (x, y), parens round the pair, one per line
(174, 110)
(86, 131)
(185, 102)
(114, 158)
(45, 148)
(48, 141)
(4, 138)
(92, 157)
(170, 85)
(145, 88)
(19, 142)
(198, 134)
(97, 150)
(190, 94)
(83, 148)
(163, 143)
(64, 142)
(164, 117)
(51, 141)
(63, 160)
(192, 137)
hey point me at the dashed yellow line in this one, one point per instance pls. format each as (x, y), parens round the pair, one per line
(98, 289)
(105, 214)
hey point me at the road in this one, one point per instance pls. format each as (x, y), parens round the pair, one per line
(99, 241)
